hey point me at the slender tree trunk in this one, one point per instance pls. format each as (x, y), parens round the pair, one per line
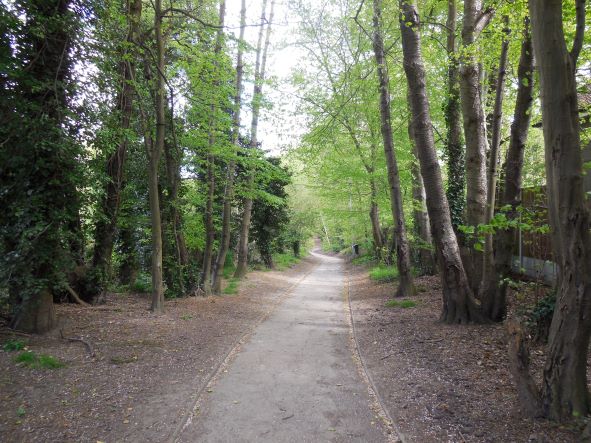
(231, 170)
(406, 283)
(107, 225)
(129, 269)
(456, 181)
(493, 168)
(459, 305)
(156, 149)
(494, 293)
(374, 217)
(259, 78)
(208, 258)
(475, 135)
(426, 254)
(564, 391)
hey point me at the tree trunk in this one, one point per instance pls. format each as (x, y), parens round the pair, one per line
(42, 89)
(129, 269)
(107, 224)
(374, 217)
(259, 78)
(426, 255)
(494, 293)
(456, 179)
(405, 284)
(231, 169)
(492, 179)
(564, 393)
(208, 259)
(154, 153)
(475, 135)
(459, 305)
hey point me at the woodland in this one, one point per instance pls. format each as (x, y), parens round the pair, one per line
(132, 158)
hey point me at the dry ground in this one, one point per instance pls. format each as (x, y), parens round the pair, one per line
(147, 368)
(439, 382)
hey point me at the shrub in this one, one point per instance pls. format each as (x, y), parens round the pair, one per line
(284, 261)
(142, 284)
(232, 287)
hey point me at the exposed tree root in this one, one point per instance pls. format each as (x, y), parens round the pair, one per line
(527, 391)
(75, 297)
(86, 343)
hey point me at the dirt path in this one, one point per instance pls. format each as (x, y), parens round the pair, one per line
(295, 379)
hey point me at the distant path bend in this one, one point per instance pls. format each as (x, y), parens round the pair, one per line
(295, 380)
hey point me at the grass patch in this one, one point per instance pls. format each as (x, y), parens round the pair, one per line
(404, 304)
(42, 361)
(13, 345)
(383, 273)
(363, 260)
(186, 317)
(232, 287)
(285, 261)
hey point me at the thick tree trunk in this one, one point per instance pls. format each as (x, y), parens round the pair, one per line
(156, 149)
(405, 284)
(106, 225)
(456, 174)
(475, 135)
(459, 305)
(493, 168)
(208, 258)
(231, 169)
(259, 78)
(494, 293)
(44, 86)
(564, 393)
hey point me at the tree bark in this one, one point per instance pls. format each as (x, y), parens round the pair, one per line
(459, 305)
(107, 224)
(494, 293)
(406, 282)
(154, 153)
(374, 217)
(259, 78)
(564, 390)
(426, 254)
(456, 178)
(475, 135)
(231, 169)
(493, 168)
(206, 277)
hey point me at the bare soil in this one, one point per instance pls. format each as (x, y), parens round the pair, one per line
(439, 382)
(147, 371)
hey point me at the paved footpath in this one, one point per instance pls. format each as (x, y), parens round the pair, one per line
(295, 380)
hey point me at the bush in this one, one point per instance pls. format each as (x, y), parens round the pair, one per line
(383, 274)
(284, 261)
(232, 287)
(363, 260)
(142, 284)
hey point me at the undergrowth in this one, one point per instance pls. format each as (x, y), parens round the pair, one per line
(404, 304)
(363, 260)
(232, 287)
(43, 361)
(284, 261)
(383, 273)
(13, 345)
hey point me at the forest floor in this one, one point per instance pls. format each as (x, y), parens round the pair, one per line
(147, 369)
(440, 382)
